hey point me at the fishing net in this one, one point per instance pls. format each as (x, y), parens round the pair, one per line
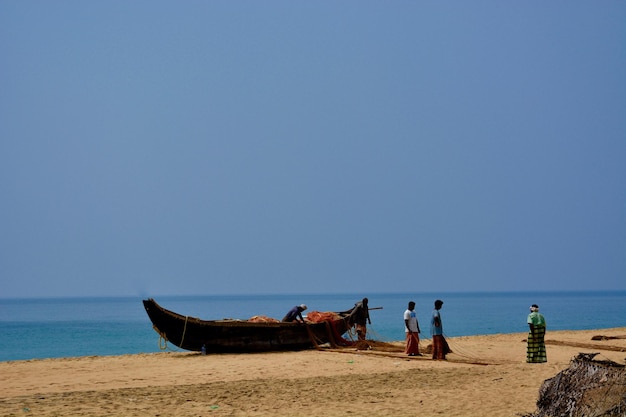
(587, 388)
(321, 316)
(379, 346)
(262, 319)
(328, 317)
(331, 319)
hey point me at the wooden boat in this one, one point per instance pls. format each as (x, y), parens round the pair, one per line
(191, 333)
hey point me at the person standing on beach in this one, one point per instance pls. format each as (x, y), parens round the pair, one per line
(536, 345)
(440, 346)
(412, 331)
(361, 315)
(295, 313)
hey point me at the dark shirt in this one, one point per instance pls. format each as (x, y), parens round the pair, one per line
(361, 313)
(293, 314)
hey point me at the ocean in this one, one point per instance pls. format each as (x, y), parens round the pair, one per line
(69, 327)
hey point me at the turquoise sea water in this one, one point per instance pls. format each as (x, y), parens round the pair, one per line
(50, 328)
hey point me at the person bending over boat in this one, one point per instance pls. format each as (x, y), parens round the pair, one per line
(295, 313)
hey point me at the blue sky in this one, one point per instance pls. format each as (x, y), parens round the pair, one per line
(243, 147)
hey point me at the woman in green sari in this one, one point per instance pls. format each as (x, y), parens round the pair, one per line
(536, 349)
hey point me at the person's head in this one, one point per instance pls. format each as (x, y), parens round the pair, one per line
(534, 308)
(365, 301)
(411, 305)
(302, 307)
(438, 304)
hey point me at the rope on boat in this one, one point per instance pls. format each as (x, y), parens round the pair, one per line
(184, 331)
(331, 337)
(162, 338)
(312, 337)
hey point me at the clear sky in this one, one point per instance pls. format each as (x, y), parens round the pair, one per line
(252, 147)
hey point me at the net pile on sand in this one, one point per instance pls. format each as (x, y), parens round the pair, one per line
(587, 388)
(379, 346)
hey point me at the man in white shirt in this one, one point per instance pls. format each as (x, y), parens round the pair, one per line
(412, 331)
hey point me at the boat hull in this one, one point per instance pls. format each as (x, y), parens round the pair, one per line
(221, 336)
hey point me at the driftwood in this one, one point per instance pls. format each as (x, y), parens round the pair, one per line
(587, 388)
(607, 337)
(594, 346)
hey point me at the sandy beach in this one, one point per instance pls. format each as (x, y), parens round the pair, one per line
(485, 376)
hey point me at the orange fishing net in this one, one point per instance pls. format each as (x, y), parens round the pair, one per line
(320, 316)
(330, 318)
(263, 319)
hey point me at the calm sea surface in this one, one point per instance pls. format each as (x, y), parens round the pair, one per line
(51, 328)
